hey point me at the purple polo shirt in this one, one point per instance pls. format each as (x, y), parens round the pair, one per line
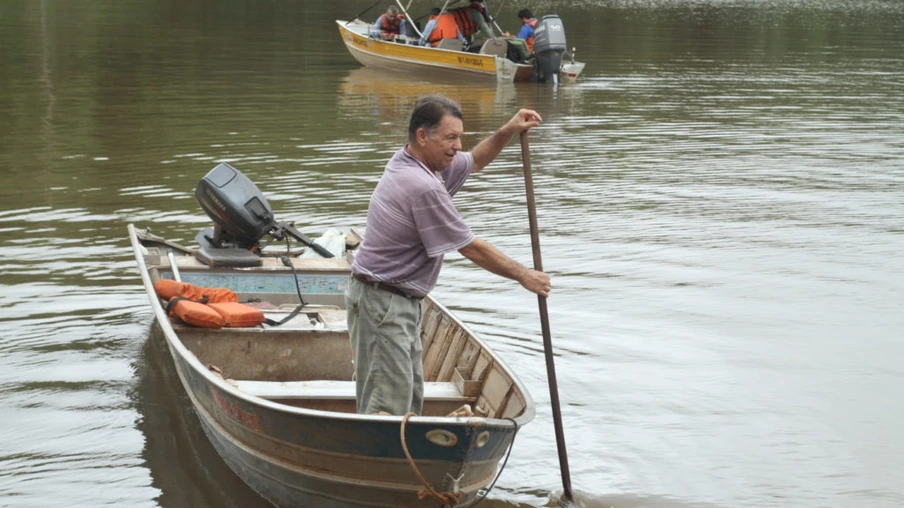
(412, 223)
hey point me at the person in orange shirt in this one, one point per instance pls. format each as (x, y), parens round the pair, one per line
(439, 27)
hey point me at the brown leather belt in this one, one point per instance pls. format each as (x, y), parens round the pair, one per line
(384, 287)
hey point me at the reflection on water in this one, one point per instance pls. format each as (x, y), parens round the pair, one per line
(718, 197)
(376, 93)
(184, 466)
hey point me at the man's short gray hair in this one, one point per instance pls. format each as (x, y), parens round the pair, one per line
(429, 111)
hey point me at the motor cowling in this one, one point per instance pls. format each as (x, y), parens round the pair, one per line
(236, 205)
(549, 46)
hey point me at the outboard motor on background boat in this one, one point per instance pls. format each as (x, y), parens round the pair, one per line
(240, 212)
(549, 46)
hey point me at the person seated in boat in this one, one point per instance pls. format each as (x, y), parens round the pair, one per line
(411, 223)
(524, 41)
(389, 25)
(440, 26)
(472, 21)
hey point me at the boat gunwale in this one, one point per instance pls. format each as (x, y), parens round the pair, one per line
(172, 338)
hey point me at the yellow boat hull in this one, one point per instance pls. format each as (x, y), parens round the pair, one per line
(409, 57)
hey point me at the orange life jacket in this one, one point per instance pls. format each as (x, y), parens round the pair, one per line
(392, 27)
(446, 28)
(530, 40)
(206, 307)
(169, 289)
(466, 24)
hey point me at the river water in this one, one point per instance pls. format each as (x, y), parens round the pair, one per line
(721, 204)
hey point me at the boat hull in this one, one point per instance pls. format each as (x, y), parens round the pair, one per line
(410, 58)
(301, 450)
(298, 461)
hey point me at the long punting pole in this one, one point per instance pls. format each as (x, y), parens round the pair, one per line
(544, 321)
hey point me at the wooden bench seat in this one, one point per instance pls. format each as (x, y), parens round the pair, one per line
(335, 390)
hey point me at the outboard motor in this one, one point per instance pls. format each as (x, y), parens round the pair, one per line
(241, 217)
(240, 212)
(549, 46)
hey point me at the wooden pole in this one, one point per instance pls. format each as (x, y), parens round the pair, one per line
(544, 321)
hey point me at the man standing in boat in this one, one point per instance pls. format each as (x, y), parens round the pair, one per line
(411, 224)
(472, 21)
